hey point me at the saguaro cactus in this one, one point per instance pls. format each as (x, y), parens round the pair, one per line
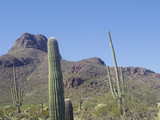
(17, 95)
(56, 91)
(68, 110)
(80, 101)
(116, 93)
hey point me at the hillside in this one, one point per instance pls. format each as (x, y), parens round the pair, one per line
(87, 77)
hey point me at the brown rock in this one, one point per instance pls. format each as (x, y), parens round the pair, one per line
(10, 61)
(94, 60)
(75, 68)
(73, 81)
(134, 70)
(30, 41)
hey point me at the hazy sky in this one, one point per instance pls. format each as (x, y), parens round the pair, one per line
(80, 26)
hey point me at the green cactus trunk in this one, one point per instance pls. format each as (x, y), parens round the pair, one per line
(17, 95)
(80, 101)
(68, 110)
(56, 91)
(117, 94)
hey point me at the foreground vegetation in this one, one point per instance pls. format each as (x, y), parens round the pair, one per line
(122, 102)
(136, 107)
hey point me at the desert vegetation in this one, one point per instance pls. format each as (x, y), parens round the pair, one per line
(112, 94)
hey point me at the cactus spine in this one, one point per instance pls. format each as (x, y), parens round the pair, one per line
(116, 93)
(68, 110)
(17, 95)
(56, 91)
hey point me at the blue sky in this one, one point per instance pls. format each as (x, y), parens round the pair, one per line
(80, 26)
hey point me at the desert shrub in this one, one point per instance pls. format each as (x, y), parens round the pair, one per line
(33, 112)
(140, 107)
(36, 112)
(110, 110)
(1, 113)
(101, 109)
(21, 116)
(116, 112)
(44, 114)
(9, 109)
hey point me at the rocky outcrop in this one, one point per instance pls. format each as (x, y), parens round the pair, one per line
(10, 61)
(157, 76)
(75, 69)
(134, 70)
(94, 60)
(73, 81)
(30, 41)
(80, 72)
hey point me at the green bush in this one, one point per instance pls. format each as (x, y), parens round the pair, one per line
(101, 109)
(107, 110)
(1, 113)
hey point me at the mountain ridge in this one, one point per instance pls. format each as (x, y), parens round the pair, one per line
(29, 55)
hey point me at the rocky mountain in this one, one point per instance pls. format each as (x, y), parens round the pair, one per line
(30, 41)
(88, 76)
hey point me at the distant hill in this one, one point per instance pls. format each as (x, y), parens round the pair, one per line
(88, 76)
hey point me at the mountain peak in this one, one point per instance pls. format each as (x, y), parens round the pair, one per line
(28, 40)
(94, 60)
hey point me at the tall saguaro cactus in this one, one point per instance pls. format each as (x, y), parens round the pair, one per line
(116, 93)
(68, 110)
(56, 91)
(17, 95)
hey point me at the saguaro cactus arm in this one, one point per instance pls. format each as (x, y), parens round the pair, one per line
(13, 96)
(112, 88)
(122, 79)
(21, 97)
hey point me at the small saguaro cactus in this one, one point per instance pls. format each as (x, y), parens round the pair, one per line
(80, 101)
(68, 110)
(17, 95)
(42, 105)
(56, 90)
(119, 91)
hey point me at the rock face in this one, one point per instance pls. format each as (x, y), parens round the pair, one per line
(141, 71)
(83, 70)
(73, 81)
(10, 61)
(30, 41)
(25, 42)
(95, 60)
